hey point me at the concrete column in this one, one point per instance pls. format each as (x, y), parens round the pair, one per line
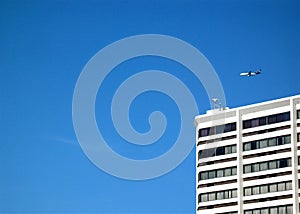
(239, 128)
(294, 155)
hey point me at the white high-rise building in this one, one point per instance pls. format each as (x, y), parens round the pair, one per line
(248, 159)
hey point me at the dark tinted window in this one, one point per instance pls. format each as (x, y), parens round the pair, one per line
(203, 132)
(283, 163)
(276, 118)
(230, 127)
(285, 117)
(206, 153)
(272, 119)
(220, 151)
(280, 141)
(217, 129)
(216, 151)
(253, 145)
(262, 121)
(247, 124)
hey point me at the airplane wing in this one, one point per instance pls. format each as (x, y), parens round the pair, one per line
(244, 74)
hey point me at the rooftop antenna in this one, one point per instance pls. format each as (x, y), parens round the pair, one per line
(216, 103)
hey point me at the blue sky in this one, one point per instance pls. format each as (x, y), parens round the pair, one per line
(44, 47)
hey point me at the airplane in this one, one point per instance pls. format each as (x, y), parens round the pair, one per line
(251, 73)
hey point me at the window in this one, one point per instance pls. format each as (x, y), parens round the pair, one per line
(204, 197)
(289, 210)
(264, 189)
(230, 127)
(247, 168)
(255, 190)
(217, 173)
(255, 167)
(247, 191)
(277, 118)
(217, 195)
(259, 144)
(264, 166)
(206, 153)
(262, 121)
(233, 170)
(212, 174)
(220, 151)
(288, 185)
(253, 145)
(220, 195)
(217, 129)
(285, 116)
(298, 114)
(228, 150)
(281, 187)
(247, 124)
(272, 142)
(220, 129)
(247, 146)
(204, 175)
(273, 187)
(254, 122)
(280, 141)
(283, 163)
(220, 173)
(228, 172)
(203, 132)
(286, 209)
(233, 149)
(272, 165)
(226, 194)
(212, 196)
(282, 210)
(234, 193)
(257, 211)
(216, 151)
(264, 211)
(287, 139)
(272, 119)
(263, 143)
(274, 210)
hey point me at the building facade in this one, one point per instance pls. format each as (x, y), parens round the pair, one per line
(248, 159)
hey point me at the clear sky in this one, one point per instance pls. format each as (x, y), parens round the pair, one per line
(44, 45)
